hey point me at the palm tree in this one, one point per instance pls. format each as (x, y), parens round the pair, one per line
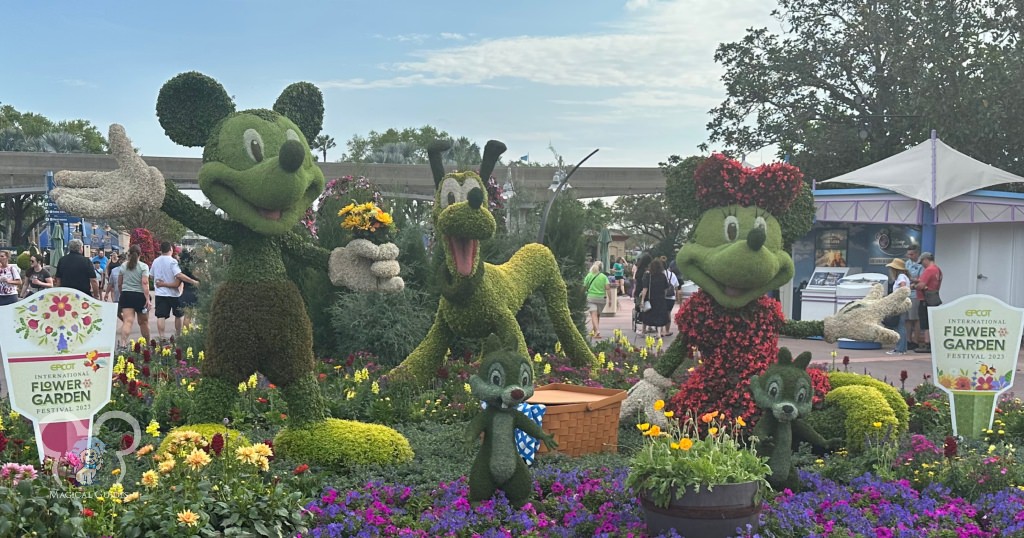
(322, 143)
(463, 155)
(62, 142)
(395, 153)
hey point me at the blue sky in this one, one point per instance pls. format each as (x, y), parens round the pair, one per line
(634, 78)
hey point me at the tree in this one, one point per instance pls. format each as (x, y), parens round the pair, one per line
(322, 143)
(361, 148)
(885, 70)
(649, 215)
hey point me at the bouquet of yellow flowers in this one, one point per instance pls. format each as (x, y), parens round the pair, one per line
(367, 221)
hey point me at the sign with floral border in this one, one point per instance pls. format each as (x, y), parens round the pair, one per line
(62, 319)
(975, 342)
(57, 346)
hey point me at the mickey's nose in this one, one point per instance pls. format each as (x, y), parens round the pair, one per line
(756, 238)
(291, 156)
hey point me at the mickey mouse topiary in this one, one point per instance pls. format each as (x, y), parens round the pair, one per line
(257, 167)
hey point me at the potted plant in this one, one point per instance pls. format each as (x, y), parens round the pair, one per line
(699, 476)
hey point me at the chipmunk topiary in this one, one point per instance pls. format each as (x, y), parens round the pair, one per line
(505, 380)
(784, 394)
(257, 168)
(478, 298)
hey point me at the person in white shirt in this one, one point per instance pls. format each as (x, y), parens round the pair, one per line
(167, 277)
(10, 280)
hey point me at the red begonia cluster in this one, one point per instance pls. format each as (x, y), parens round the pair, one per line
(735, 344)
(722, 181)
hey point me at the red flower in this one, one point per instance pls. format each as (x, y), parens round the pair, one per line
(88, 512)
(217, 444)
(61, 304)
(33, 324)
(126, 441)
(3, 442)
(86, 320)
(262, 400)
(300, 469)
(903, 375)
(949, 448)
(177, 353)
(321, 376)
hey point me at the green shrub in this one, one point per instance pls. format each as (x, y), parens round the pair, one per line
(867, 413)
(389, 325)
(802, 329)
(892, 396)
(343, 443)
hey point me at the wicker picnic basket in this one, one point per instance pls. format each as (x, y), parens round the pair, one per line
(582, 419)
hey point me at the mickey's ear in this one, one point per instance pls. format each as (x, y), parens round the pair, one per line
(492, 343)
(785, 357)
(803, 359)
(303, 103)
(189, 107)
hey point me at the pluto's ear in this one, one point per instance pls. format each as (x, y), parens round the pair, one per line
(303, 103)
(492, 151)
(189, 107)
(434, 151)
(803, 359)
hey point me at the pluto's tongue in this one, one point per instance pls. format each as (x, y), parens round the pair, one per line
(272, 214)
(464, 252)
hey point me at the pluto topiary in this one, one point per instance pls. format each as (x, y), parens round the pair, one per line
(478, 298)
(257, 168)
(343, 443)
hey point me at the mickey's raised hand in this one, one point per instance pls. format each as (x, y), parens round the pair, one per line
(133, 187)
(862, 319)
(363, 266)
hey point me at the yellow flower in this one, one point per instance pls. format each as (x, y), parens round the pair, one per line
(115, 472)
(150, 479)
(669, 414)
(876, 424)
(202, 355)
(1, 424)
(740, 422)
(246, 454)
(191, 387)
(166, 466)
(189, 518)
(659, 405)
(643, 427)
(347, 209)
(262, 449)
(655, 431)
(538, 358)
(242, 387)
(685, 444)
(467, 388)
(712, 430)
(188, 353)
(153, 428)
(252, 381)
(547, 369)
(143, 451)
(384, 218)
(197, 459)
(558, 347)
(142, 340)
(134, 496)
(375, 388)
(116, 490)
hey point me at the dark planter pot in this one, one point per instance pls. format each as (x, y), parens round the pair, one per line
(708, 514)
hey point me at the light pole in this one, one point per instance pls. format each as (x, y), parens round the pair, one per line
(558, 184)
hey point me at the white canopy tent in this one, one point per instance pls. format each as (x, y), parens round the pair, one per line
(930, 171)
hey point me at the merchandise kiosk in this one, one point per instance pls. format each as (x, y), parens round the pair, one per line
(818, 300)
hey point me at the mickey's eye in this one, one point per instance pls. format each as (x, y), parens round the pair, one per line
(759, 222)
(524, 375)
(773, 389)
(292, 135)
(800, 396)
(497, 376)
(451, 192)
(253, 144)
(732, 228)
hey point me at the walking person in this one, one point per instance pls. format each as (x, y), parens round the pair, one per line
(656, 285)
(619, 270)
(914, 272)
(168, 279)
(596, 284)
(10, 280)
(901, 279)
(928, 287)
(639, 286)
(670, 293)
(37, 278)
(74, 270)
(135, 302)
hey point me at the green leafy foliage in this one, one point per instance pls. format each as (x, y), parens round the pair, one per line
(389, 325)
(190, 106)
(303, 103)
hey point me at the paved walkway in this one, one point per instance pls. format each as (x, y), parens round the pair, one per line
(871, 361)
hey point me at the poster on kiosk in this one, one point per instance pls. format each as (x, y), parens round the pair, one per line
(975, 343)
(56, 347)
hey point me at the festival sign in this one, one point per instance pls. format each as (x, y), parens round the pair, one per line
(56, 349)
(975, 342)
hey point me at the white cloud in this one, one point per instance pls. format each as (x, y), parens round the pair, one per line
(453, 36)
